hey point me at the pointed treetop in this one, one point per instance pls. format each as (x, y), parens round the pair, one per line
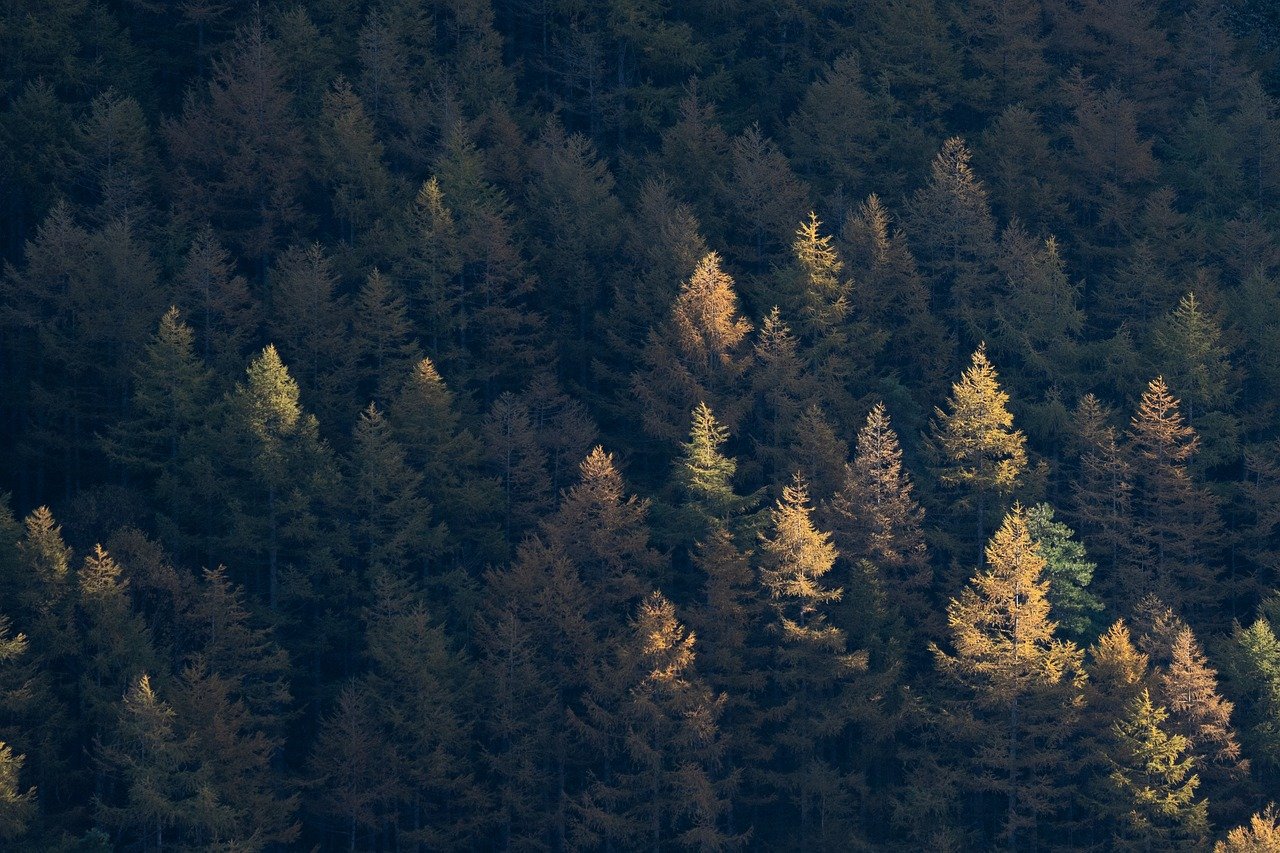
(706, 312)
(666, 646)
(43, 546)
(977, 434)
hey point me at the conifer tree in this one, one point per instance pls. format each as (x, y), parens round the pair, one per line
(282, 470)
(1022, 682)
(1178, 516)
(241, 801)
(238, 149)
(1252, 666)
(1261, 835)
(384, 348)
(893, 297)
(153, 768)
(1188, 689)
(875, 518)
(763, 197)
(423, 690)
(224, 315)
(115, 643)
(671, 787)
(520, 465)
(394, 529)
(816, 681)
(308, 323)
(16, 805)
(1117, 673)
(1154, 803)
(955, 237)
(1102, 497)
(426, 422)
(603, 532)
(1069, 570)
(695, 356)
(1189, 344)
(980, 454)
(351, 158)
(355, 767)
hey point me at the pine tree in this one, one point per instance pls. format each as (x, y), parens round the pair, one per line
(603, 532)
(763, 197)
(520, 464)
(893, 297)
(980, 454)
(115, 644)
(241, 801)
(1022, 683)
(1154, 802)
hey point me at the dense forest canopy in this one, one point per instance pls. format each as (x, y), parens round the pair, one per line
(702, 425)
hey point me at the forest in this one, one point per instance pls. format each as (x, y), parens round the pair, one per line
(708, 425)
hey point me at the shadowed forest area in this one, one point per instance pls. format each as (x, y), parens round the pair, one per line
(551, 425)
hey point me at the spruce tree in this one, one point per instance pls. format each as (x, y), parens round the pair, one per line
(1070, 571)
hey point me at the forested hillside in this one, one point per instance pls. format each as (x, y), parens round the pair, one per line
(640, 425)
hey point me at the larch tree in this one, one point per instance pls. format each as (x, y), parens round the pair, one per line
(1020, 686)
(384, 346)
(239, 149)
(1261, 835)
(980, 455)
(155, 770)
(17, 806)
(955, 237)
(894, 298)
(394, 525)
(224, 314)
(1178, 517)
(671, 786)
(1153, 804)
(282, 469)
(308, 322)
(696, 355)
(817, 688)
(427, 423)
(875, 519)
(1188, 689)
(423, 688)
(1102, 497)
